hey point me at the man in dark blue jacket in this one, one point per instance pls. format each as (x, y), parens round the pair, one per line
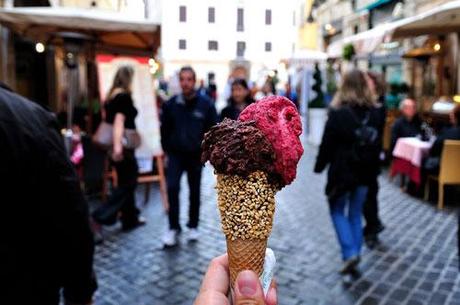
(45, 240)
(185, 119)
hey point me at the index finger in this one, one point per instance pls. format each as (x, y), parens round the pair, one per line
(217, 276)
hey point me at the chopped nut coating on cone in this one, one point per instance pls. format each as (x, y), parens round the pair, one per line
(246, 205)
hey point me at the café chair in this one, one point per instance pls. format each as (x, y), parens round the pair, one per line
(449, 170)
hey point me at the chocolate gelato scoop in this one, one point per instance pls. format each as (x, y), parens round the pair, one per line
(238, 148)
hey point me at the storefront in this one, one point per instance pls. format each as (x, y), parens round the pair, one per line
(67, 41)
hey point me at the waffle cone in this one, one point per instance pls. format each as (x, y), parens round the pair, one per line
(246, 254)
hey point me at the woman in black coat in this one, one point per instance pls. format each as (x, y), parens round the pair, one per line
(239, 100)
(350, 147)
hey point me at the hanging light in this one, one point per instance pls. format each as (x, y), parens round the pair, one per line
(39, 47)
(437, 47)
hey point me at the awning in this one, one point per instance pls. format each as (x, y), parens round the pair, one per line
(365, 42)
(305, 57)
(441, 20)
(376, 4)
(109, 30)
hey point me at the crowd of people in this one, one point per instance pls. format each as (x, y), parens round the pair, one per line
(30, 142)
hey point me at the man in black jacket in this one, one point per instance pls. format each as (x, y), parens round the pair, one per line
(45, 240)
(185, 119)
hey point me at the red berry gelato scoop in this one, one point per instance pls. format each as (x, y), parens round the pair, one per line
(278, 119)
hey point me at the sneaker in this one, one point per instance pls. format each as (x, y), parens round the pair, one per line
(349, 266)
(193, 235)
(170, 238)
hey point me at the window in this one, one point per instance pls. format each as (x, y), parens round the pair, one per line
(240, 20)
(268, 17)
(268, 47)
(240, 48)
(213, 45)
(182, 44)
(211, 15)
(182, 13)
(353, 5)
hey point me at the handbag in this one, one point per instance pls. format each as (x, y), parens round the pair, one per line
(103, 137)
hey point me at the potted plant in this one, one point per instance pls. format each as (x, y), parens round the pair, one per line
(331, 83)
(348, 52)
(317, 113)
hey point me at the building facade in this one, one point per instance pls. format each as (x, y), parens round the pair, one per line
(244, 37)
(431, 75)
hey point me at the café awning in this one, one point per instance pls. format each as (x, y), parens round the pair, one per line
(304, 57)
(108, 30)
(443, 19)
(365, 42)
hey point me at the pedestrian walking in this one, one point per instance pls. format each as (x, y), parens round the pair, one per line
(120, 113)
(185, 119)
(350, 147)
(239, 100)
(374, 225)
(46, 244)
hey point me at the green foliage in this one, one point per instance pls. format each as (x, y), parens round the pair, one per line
(331, 84)
(318, 101)
(348, 52)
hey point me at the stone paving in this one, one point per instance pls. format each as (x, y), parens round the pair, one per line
(417, 263)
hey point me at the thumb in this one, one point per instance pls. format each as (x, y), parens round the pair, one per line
(248, 290)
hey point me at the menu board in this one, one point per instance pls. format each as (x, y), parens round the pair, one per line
(143, 94)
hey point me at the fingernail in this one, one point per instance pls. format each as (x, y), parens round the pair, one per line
(271, 295)
(247, 283)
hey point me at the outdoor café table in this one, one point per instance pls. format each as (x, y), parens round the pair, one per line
(407, 158)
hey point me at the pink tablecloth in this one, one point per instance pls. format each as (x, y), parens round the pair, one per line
(412, 150)
(408, 156)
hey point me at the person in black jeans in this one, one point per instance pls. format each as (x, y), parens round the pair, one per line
(185, 119)
(121, 113)
(371, 207)
(46, 244)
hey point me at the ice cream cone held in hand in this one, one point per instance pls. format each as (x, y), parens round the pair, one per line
(253, 157)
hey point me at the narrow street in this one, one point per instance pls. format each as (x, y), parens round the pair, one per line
(416, 264)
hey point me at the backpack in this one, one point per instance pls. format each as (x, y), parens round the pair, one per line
(365, 149)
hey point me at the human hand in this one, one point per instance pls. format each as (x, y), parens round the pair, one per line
(247, 289)
(117, 153)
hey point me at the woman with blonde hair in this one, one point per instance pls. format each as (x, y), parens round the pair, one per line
(121, 113)
(350, 147)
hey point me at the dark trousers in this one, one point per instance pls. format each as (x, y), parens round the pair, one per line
(127, 172)
(122, 198)
(177, 164)
(371, 209)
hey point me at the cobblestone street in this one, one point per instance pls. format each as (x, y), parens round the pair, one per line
(416, 264)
